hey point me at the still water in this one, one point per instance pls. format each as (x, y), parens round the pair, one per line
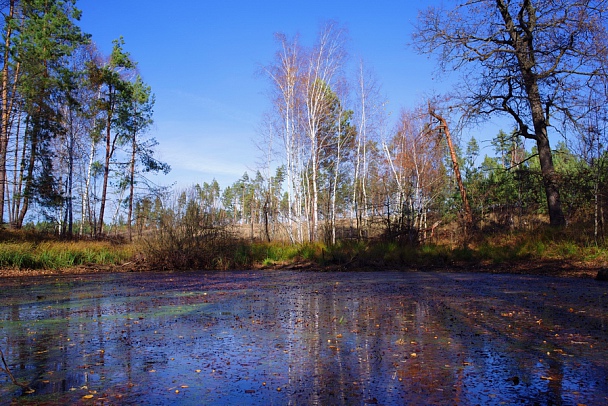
(305, 338)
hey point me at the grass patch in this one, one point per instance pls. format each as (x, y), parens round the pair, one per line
(270, 254)
(45, 254)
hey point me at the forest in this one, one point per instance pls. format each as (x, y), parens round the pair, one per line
(481, 290)
(337, 176)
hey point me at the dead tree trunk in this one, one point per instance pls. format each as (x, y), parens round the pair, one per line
(444, 130)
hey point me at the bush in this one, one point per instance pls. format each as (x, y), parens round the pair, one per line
(187, 239)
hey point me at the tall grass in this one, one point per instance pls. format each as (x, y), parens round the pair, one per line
(61, 254)
(183, 246)
(543, 243)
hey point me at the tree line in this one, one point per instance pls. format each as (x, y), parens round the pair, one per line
(410, 192)
(73, 123)
(332, 163)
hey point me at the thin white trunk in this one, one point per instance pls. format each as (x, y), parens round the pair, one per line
(335, 185)
(87, 185)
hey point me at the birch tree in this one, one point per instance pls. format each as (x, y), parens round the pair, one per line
(286, 75)
(300, 79)
(370, 114)
(322, 71)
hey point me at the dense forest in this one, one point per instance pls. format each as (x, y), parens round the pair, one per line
(73, 145)
(333, 164)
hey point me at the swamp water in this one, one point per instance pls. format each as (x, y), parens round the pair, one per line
(305, 338)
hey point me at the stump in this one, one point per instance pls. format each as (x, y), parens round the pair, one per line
(602, 275)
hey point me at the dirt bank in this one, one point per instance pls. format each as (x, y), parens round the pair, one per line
(556, 268)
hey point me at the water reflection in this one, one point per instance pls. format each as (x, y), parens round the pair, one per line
(303, 338)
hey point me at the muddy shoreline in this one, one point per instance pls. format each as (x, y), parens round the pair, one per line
(554, 268)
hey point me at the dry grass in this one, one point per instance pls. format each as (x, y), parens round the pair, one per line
(228, 249)
(27, 250)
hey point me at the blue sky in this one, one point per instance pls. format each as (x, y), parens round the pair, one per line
(201, 59)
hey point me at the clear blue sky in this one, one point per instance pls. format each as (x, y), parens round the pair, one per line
(201, 57)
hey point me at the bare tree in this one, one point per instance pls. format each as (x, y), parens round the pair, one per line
(285, 75)
(414, 158)
(302, 79)
(323, 66)
(529, 59)
(370, 113)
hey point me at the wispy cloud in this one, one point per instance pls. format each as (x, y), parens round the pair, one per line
(207, 106)
(201, 154)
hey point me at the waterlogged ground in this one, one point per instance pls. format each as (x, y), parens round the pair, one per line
(305, 338)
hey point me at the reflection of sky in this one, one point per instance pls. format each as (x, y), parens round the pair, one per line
(379, 338)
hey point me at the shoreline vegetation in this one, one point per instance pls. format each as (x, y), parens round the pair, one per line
(546, 251)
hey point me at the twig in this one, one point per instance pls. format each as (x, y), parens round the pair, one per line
(23, 386)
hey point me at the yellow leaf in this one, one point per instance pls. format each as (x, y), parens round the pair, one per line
(87, 397)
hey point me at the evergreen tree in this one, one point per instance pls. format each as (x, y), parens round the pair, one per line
(45, 38)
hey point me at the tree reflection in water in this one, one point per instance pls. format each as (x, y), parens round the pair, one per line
(306, 338)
